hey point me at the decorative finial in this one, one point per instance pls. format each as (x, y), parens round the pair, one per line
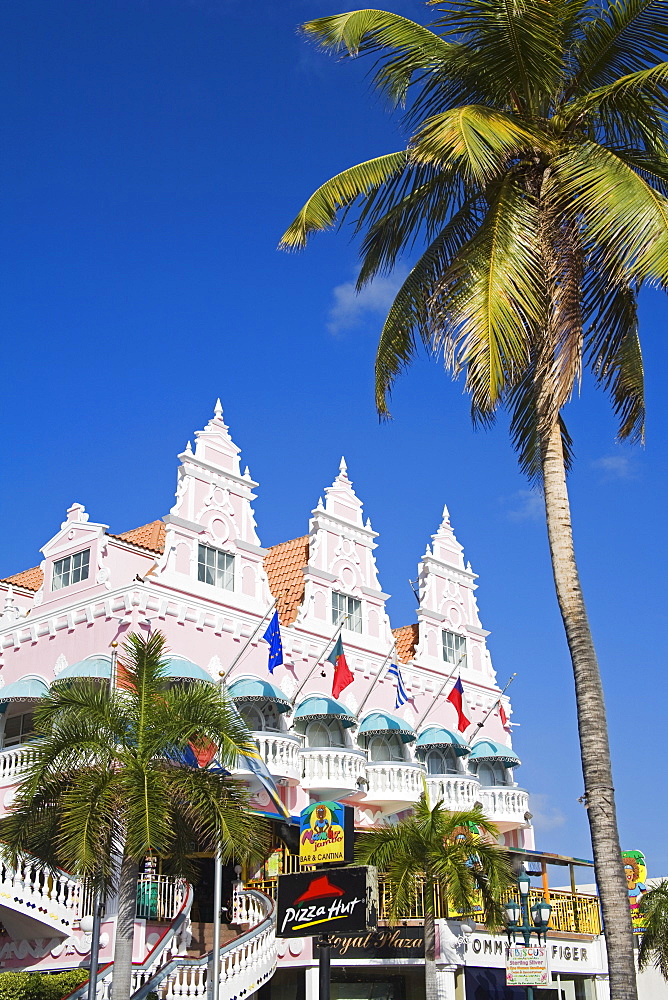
(320, 505)
(189, 448)
(446, 512)
(247, 474)
(343, 468)
(368, 523)
(218, 409)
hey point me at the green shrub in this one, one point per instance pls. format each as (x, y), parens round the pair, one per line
(38, 986)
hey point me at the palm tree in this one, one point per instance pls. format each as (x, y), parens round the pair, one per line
(106, 786)
(654, 940)
(535, 171)
(438, 852)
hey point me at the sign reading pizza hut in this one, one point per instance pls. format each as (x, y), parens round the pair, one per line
(344, 900)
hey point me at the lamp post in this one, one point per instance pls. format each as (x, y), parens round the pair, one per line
(517, 917)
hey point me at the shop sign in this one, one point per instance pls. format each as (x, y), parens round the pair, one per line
(326, 833)
(526, 966)
(389, 942)
(343, 900)
(635, 870)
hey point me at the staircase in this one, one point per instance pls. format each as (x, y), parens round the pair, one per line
(34, 904)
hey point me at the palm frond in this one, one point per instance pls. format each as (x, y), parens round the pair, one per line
(476, 139)
(338, 192)
(654, 940)
(623, 38)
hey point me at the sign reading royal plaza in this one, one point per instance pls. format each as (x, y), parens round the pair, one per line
(326, 834)
(344, 900)
(526, 966)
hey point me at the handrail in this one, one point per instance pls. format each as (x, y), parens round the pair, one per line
(160, 945)
(190, 963)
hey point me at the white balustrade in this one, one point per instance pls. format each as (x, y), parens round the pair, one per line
(160, 897)
(457, 792)
(281, 754)
(13, 760)
(51, 899)
(505, 806)
(332, 769)
(394, 782)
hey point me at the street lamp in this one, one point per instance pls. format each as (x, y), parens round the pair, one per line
(517, 917)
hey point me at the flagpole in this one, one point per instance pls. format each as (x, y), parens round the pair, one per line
(320, 657)
(380, 670)
(498, 702)
(440, 692)
(217, 909)
(250, 640)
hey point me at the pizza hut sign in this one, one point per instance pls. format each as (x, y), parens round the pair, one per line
(344, 900)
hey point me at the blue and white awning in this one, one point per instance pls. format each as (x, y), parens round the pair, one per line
(92, 667)
(382, 723)
(488, 750)
(27, 689)
(180, 669)
(318, 706)
(436, 736)
(258, 689)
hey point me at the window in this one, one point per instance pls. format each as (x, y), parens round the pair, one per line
(19, 729)
(343, 605)
(215, 567)
(454, 648)
(260, 718)
(324, 733)
(385, 748)
(491, 773)
(441, 762)
(71, 569)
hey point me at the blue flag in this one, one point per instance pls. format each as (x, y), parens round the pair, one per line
(402, 697)
(273, 637)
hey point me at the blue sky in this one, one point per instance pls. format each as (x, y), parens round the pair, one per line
(153, 153)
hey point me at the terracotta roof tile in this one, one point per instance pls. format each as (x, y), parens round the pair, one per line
(284, 564)
(148, 536)
(406, 639)
(29, 579)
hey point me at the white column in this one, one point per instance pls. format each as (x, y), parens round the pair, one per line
(312, 986)
(445, 983)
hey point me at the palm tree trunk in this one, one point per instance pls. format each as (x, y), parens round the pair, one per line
(121, 986)
(592, 725)
(430, 980)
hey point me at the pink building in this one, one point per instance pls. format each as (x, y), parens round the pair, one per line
(201, 576)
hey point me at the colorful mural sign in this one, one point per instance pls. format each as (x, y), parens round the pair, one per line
(326, 833)
(636, 876)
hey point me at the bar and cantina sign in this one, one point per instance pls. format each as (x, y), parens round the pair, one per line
(526, 966)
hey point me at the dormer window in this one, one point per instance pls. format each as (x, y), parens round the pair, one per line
(71, 569)
(347, 608)
(215, 567)
(454, 648)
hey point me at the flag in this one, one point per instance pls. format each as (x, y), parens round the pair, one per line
(458, 699)
(504, 717)
(402, 697)
(342, 675)
(251, 760)
(273, 637)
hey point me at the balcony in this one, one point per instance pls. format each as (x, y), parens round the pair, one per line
(505, 806)
(457, 791)
(396, 783)
(12, 762)
(280, 752)
(332, 772)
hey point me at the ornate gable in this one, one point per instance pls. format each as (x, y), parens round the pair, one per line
(213, 508)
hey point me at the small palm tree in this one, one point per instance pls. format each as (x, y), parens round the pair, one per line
(105, 787)
(654, 941)
(450, 855)
(534, 178)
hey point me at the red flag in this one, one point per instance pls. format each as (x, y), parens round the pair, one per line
(504, 717)
(342, 675)
(458, 699)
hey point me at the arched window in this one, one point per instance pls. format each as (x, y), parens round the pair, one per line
(441, 761)
(491, 773)
(385, 748)
(325, 733)
(260, 717)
